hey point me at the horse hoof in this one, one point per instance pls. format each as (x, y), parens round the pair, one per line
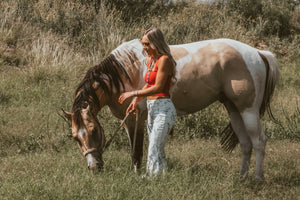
(136, 169)
(259, 179)
(243, 176)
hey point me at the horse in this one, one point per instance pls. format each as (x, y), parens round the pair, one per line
(239, 76)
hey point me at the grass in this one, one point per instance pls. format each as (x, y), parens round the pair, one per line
(198, 169)
(45, 51)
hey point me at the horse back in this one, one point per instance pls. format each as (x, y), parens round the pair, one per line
(217, 70)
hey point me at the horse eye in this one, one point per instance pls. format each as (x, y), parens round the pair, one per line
(95, 131)
(84, 105)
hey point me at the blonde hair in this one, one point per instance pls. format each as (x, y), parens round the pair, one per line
(158, 42)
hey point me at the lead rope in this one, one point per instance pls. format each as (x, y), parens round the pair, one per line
(116, 131)
(135, 132)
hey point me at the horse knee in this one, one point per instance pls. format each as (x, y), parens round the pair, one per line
(254, 129)
(246, 147)
(251, 122)
(259, 143)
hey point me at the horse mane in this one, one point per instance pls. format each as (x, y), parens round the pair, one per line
(106, 75)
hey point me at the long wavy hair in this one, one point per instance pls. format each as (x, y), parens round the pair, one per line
(158, 42)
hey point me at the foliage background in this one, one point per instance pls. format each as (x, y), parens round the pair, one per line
(46, 46)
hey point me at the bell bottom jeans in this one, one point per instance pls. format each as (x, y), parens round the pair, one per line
(161, 118)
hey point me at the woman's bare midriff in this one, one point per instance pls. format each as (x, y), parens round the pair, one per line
(157, 97)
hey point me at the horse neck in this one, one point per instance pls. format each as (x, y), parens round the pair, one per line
(103, 99)
(130, 56)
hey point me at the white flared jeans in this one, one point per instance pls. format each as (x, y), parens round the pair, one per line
(161, 118)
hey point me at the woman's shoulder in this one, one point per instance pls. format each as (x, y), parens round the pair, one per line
(164, 59)
(165, 63)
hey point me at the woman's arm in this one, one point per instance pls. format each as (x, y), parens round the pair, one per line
(135, 101)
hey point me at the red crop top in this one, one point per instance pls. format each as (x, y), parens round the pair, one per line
(150, 77)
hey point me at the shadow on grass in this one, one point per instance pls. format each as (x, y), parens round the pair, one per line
(291, 180)
(285, 183)
(198, 169)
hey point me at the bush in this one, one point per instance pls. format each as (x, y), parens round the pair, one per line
(249, 9)
(275, 15)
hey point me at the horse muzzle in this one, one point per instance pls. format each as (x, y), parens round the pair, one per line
(95, 163)
(95, 167)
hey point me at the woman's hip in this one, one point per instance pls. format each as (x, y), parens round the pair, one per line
(161, 107)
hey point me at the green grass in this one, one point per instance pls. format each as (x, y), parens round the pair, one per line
(44, 53)
(198, 169)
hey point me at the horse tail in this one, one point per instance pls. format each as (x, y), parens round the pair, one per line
(272, 77)
(229, 139)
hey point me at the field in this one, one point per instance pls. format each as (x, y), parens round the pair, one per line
(47, 46)
(198, 169)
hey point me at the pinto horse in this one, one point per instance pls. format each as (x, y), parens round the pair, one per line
(239, 76)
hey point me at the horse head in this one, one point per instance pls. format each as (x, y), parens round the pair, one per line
(89, 134)
(94, 92)
(101, 86)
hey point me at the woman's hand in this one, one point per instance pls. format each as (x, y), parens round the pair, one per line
(125, 96)
(132, 106)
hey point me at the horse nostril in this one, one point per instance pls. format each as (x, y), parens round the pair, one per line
(100, 166)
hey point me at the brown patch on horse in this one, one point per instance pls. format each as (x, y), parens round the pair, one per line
(200, 74)
(238, 88)
(238, 85)
(178, 52)
(216, 71)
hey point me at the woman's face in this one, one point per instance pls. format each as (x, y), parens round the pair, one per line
(146, 46)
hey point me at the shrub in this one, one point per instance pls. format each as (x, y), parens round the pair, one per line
(249, 9)
(275, 14)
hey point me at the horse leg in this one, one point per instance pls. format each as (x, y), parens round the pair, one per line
(136, 140)
(237, 125)
(254, 129)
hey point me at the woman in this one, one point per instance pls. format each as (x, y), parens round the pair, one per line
(161, 69)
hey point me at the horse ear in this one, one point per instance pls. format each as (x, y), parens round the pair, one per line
(67, 116)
